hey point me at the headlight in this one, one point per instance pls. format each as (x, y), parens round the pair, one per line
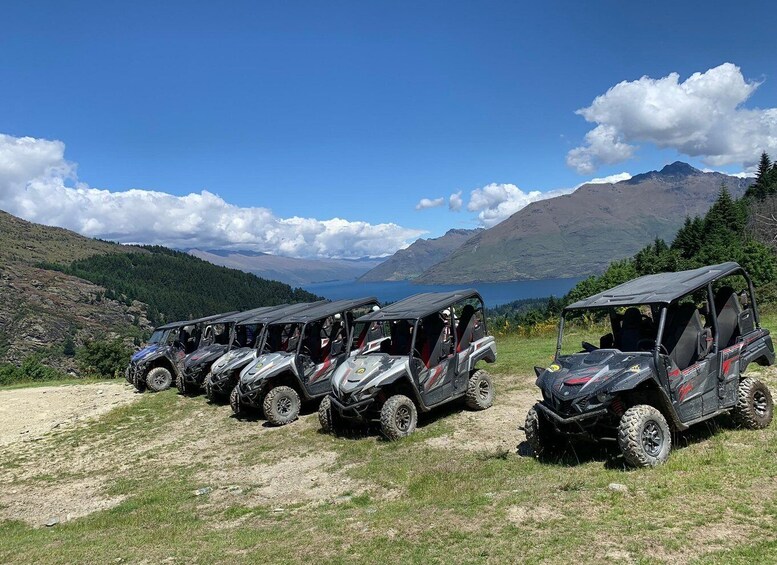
(367, 393)
(603, 397)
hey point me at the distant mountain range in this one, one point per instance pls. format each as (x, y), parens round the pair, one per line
(296, 272)
(581, 233)
(422, 254)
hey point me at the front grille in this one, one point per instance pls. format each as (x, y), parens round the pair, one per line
(564, 407)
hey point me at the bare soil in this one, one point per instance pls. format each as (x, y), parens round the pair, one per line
(494, 429)
(44, 479)
(27, 414)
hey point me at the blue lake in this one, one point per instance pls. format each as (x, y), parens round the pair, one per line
(493, 294)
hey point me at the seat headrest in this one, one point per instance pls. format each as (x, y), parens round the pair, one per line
(632, 318)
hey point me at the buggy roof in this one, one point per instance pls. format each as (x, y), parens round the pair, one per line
(420, 305)
(275, 312)
(325, 309)
(663, 288)
(182, 323)
(236, 317)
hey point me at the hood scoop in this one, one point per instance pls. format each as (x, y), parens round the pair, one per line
(599, 357)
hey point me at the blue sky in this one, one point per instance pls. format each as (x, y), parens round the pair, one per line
(358, 110)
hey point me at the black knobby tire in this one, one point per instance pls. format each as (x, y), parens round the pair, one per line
(181, 384)
(326, 416)
(281, 405)
(209, 389)
(139, 382)
(539, 434)
(644, 436)
(398, 417)
(754, 408)
(159, 379)
(480, 391)
(234, 402)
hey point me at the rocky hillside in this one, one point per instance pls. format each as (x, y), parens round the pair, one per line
(59, 290)
(409, 263)
(581, 233)
(41, 310)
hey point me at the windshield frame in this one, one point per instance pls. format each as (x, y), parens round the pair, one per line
(658, 312)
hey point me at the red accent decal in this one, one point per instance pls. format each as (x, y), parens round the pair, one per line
(433, 379)
(727, 365)
(325, 366)
(684, 390)
(577, 381)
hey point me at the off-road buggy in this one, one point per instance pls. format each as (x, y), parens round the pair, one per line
(214, 342)
(225, 371)
(158, 365)
(679, 346)
(306, 348)
(415, 354)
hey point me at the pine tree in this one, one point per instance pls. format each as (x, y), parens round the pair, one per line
(765, 179)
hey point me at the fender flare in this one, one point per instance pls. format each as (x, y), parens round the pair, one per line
(666, 406)
(405, 376)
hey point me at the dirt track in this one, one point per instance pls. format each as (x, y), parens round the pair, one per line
(80, 472)
(29, 413)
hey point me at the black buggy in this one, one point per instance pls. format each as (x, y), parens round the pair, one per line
(679, 346)
(214, 342)
(158, 365)
(415, 354)
(303, 350)
(244, 348)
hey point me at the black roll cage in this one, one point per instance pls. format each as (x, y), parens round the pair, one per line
(416, 321)
(663, 310)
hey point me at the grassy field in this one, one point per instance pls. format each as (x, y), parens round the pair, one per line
(458, 491)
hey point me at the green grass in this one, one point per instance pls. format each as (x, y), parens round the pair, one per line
(715, 501)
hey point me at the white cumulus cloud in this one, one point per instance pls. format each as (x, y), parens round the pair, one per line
(426, 203)
(38, 184)
(497, 201)
(455, 201)
(699, 117)
(618, 177)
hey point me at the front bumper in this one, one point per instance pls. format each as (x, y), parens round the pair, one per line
(224, 382)
(597, 424)
(136, 375)
(352, 411)
(594, 415)
(251, 394)
(195, 375)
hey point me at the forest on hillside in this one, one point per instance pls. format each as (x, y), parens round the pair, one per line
(178, 286)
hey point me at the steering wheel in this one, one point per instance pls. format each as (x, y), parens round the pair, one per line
(589, 347)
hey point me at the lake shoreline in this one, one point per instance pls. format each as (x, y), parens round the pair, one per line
(494, 293)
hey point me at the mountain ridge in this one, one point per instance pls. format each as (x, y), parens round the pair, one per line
(580, 233)
(408, 263)
(289, 270)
